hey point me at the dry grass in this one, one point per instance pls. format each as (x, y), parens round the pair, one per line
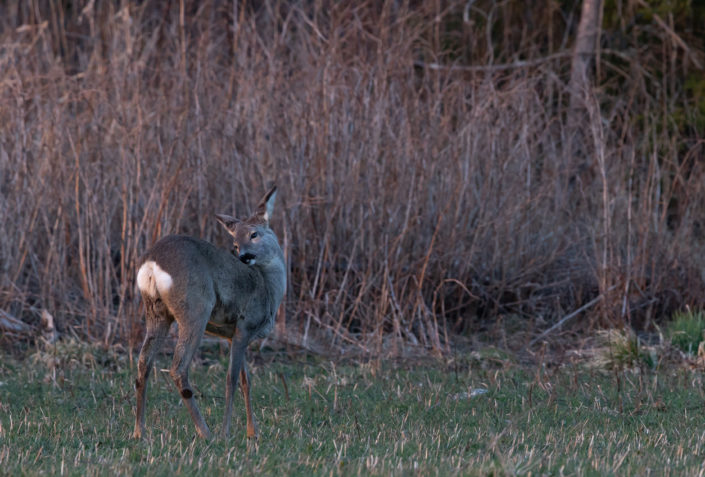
(419, 200)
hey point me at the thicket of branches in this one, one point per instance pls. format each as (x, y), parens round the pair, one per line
(425, 186)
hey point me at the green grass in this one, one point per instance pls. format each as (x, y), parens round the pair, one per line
(686, 330)
(619, 349)
(351, 419)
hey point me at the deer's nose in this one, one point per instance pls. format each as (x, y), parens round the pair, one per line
(247, 258)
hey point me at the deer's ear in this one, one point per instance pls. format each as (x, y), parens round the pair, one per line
(266, 205)
(227, 221)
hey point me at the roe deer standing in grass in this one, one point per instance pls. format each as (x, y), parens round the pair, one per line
(207, 289)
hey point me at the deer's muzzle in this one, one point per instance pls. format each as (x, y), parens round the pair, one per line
(247, 258)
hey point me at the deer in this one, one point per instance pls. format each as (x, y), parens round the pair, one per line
(205, 289)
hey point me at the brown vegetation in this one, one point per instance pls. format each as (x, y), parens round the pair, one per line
(418, 150)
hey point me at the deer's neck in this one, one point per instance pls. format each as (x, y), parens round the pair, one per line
(274, 274)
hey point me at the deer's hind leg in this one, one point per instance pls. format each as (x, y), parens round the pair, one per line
(158, 322)
(190, 334)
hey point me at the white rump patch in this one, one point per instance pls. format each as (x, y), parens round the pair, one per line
(152, 279)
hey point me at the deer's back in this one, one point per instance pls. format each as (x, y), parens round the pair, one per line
(204, 279)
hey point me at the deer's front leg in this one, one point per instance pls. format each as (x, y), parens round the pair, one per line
(237, 358)
(245, 388)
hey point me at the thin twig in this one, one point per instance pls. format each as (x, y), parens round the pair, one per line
(674, 36)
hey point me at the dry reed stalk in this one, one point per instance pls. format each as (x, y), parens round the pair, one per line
(420, 200)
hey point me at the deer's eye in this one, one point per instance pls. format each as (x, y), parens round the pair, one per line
(236, 247)
(254, 235)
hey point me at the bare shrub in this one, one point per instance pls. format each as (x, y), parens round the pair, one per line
(422, 198)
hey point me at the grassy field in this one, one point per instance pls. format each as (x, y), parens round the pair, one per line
(70, 412)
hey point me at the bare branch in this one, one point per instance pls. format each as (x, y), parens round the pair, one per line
(12, 324)
(491, 68)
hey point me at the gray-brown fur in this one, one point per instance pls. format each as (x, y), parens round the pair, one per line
(234, 295)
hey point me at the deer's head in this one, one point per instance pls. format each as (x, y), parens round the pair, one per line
(253, 240)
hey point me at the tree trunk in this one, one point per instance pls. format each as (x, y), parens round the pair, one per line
(584, 52)
(580, 85)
